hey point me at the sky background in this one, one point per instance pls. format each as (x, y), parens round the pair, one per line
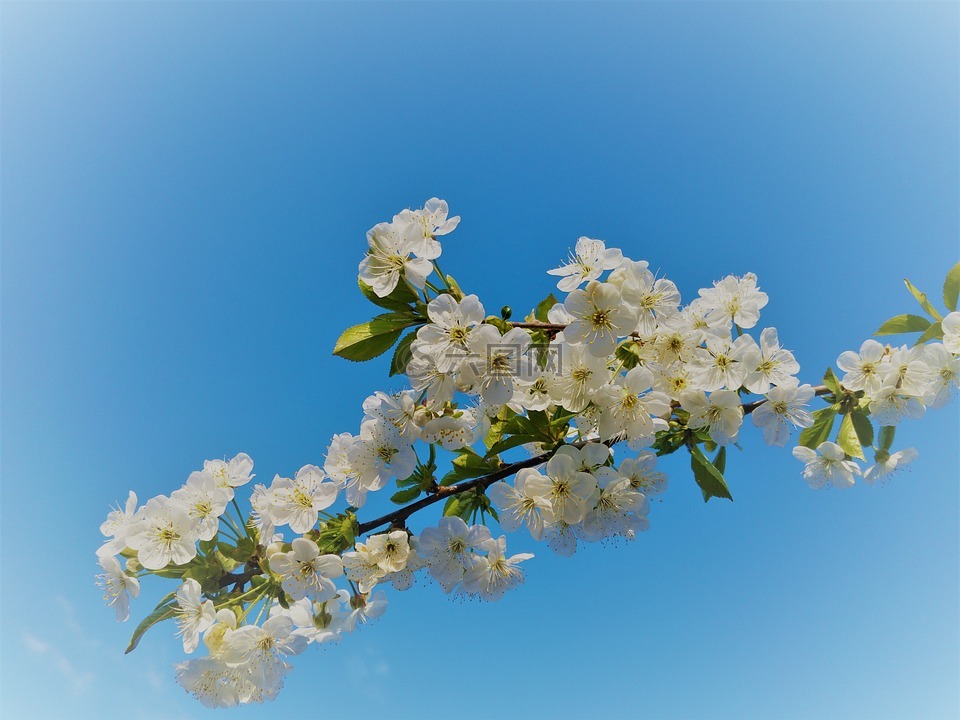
(185, 192)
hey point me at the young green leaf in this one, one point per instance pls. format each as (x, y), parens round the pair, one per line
(863, 426)
(903, 324)
(934, 332)
(921, 297)
(820, 430)
(847, 438)
(166, 608)
(370, 339)
(708, 477)
(720, 460)
(511, 441)
(543, 307)
(399, 300)
(951, 288)
(405, 496)
(831, 381)
(887, 433)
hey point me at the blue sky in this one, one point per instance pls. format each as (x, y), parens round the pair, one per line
(186, 189)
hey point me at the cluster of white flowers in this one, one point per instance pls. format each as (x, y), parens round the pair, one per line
(894, 384)
(619, 359)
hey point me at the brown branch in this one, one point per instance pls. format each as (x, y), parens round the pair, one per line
(443, 492)
(398, 517)
(550, 327)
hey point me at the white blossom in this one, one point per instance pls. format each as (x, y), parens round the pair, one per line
(721, 413)
(117, 525)
(785, 407)
(951, 332)
(588, 262)
(491, 576)
(429, 222)
(600, 317)
(117, 586)
(863, 370)
(826, 465)
(164, 534)
(305, 573)
(298, 502)
(194, 614)
(768, 364)
(887, 464)
(388, 259)
(525, 503)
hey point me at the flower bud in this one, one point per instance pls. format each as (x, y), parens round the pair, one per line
(422, 416)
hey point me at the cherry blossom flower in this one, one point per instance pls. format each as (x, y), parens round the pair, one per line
(388, 259)
(826, 465)
(721, 413)
(600, 317)
(194, 614)
(117, 586)
(785, 407)
(588, 262)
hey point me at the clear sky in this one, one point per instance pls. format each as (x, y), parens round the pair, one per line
(185, 192)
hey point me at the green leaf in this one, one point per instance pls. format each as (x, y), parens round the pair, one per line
(847, 438)
(367, 340)
(820, 430)
(921, 297)
(398, 301)
(903, 324)
(863, 426)
(720, 460)
(165, 609)
(831, 381)
(405, 496)
(453, 506)
(887, 433)
(402, 355)
(951, 288)
(511, 441)
(934, 332)
(708, 477)
(543, 307)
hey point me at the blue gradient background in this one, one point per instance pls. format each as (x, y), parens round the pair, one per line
(186, 189)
